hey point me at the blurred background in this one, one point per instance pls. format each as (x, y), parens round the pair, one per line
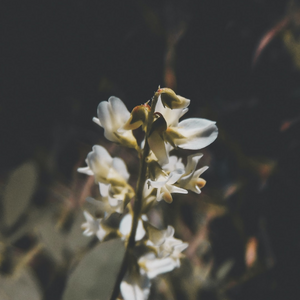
(238, 62)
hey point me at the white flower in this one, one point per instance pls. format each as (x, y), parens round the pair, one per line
(192, 134)
(153, 266)
(165, 187)
(109, 202)
(93, 226)
(168, 246)
(191, 180)
(125, 228)
(105, 168)
(168, 252)
(174, 164)
(112, 116)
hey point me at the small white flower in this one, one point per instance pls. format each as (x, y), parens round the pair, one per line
(106, 169)
(174, 164)
(165, 185)
(93, 226)
(168, 252)
(109, 202)
(168, 246)
(191, 179)
(153, 266)
(192, 134)
(112, 116)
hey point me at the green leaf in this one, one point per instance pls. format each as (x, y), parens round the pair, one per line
(95, 275)
(18, 192)
(23, 286)
(53, 239)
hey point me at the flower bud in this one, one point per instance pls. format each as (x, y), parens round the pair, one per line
(138, 117)
(171, 100)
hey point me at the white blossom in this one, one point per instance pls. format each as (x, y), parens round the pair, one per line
(168, 253)
(106, 169)
(109, 202)
(191, 179)
(192, 134)
(93, 226)
(112, 116)
(165, 185)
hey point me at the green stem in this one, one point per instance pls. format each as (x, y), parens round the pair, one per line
(137, 203)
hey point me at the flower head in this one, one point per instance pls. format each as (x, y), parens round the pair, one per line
(112, 116)
(93, 226)
(192, 134)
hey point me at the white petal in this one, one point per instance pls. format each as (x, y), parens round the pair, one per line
(135, 287)
(192, 162)
(174, 189)
(190, 168)
(85, 170)
(125, 225)
(171, 116)
(158, 266)
(101, 233)
(106, 120)
(104, 188)
(88, 216)
(157, 145)
(97, 121)
(120, 166)
(170, 231)
(199, 133)
(125, 228)
(181, 247)
(174, 176)
(157, 183)
(99, 160)
(174, 164)
(140, 231)
(119, 110)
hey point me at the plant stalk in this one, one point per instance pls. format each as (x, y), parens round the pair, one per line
(137, 203)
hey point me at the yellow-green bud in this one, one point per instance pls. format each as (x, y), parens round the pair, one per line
(138, 117)
(171, 100)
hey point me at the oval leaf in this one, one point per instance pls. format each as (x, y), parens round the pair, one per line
(95, 275)
(18, 192)
(23, 286)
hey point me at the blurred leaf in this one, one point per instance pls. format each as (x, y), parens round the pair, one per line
(32, 219)
(24, 287)
(76, 240)
(95, 275)
(18, 192)
(52, 238)
(224, 269)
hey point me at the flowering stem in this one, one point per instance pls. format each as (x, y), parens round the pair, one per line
(137, 203)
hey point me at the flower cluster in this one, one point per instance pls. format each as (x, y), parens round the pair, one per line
(149, 251)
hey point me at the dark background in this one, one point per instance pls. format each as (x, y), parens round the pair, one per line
(61, 58)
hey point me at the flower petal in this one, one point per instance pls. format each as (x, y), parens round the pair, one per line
(157, 145)
(135, 287)
(171, 116)
(154, 266)
(125, 228)
(199, 133)
(120, 166)
(112, 115)
(99, 161)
